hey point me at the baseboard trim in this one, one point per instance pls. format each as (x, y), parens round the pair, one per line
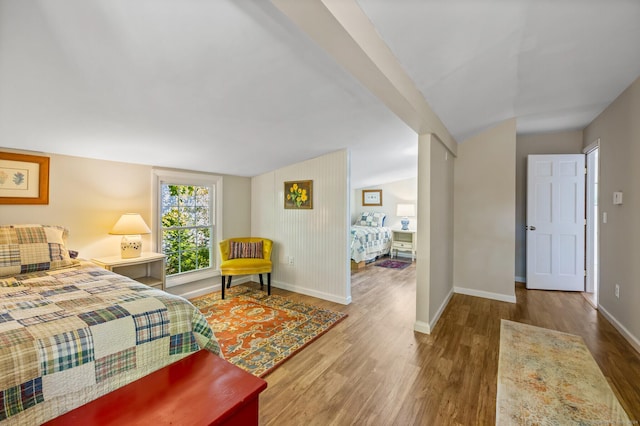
(633, 340)
(403, 254)
(521, 279)
(436, 317)
(206, 289)
(422, 327)
(485, 294)
(313, 293)
(241, 280)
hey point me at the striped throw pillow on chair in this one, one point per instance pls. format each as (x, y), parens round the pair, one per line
(239, 250)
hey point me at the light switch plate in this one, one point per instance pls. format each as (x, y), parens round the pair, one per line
(617, 198)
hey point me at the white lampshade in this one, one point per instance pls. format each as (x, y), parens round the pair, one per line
(406, 210)
(130, 226)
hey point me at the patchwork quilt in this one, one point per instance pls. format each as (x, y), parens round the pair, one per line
(367, 242)
(70, 335)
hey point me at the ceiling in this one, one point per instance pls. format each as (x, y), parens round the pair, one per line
(238, 87)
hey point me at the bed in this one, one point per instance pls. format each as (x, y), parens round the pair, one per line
(71, 332)
(369, 237)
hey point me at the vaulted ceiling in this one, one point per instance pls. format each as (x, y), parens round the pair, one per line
(247, 86)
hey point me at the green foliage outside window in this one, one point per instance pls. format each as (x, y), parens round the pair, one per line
(186, 227)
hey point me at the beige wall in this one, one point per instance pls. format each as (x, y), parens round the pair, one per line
(484, 215)
(442, 215)
(393, 193)
(550, 143)
(236, 207)
(618, 129)
(317, 239)
(434, 265)
(88, 196)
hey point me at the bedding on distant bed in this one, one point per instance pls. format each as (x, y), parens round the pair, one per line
(71, 334)
(369, 238)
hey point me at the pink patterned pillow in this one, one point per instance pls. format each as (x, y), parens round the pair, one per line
(238, 250)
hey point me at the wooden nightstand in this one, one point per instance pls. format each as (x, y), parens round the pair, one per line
(403, 241)
(147, 269)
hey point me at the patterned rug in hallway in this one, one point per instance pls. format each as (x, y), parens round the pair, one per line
(546, 377)
(258, 332)
(393, 264)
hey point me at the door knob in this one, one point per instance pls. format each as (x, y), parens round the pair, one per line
(532, 228)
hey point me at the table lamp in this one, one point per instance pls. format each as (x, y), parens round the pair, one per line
(405, 211)
(130, 226)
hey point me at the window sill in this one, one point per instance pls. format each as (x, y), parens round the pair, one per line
(189, 277)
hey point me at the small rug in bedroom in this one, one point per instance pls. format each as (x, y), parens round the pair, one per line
(393, 264)
(258, 332)
(546, 377)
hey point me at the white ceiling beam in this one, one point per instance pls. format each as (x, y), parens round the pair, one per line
(342, 29)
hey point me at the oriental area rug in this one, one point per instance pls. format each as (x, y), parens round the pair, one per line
(546, 377)
(257, 332)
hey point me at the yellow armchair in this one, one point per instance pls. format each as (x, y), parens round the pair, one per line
(239, 265)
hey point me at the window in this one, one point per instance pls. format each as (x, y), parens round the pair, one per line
(187, 227)
(188, 224)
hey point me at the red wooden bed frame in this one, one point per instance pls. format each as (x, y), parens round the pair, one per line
(201, 389)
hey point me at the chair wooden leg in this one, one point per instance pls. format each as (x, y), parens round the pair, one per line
(229, 282)
(261, 283)
(269, 283)
(222, 276)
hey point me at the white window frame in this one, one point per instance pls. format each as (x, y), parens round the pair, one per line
(161, 176)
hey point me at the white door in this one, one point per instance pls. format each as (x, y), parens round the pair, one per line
(555, 222)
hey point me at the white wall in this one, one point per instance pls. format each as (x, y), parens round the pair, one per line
(484, 216)
(618, 129)
(569, 142)
(434, 264)
(393, 193)
(317, 238)
(88, 196)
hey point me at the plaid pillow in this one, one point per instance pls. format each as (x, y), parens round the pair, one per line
(374, 219)
(238, 250)
(31, 248)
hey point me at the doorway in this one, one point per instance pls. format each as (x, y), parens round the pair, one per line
(591, 288)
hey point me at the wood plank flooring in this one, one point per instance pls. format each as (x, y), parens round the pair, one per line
(373, 369)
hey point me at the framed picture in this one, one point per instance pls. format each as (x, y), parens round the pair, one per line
(298, 194)
(372, 197)
(24, 179)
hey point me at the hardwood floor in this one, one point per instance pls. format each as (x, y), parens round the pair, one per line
(373, 369)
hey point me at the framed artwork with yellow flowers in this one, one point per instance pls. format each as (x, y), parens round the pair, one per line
(298, 194)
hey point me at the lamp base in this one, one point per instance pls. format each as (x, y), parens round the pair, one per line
(131, 246)
(405, 224)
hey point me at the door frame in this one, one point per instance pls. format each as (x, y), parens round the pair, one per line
(592, 240)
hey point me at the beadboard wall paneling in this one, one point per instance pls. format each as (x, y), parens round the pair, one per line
(311, 245)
